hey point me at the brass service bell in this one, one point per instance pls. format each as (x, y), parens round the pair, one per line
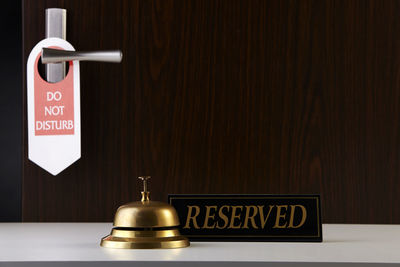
(145, 224)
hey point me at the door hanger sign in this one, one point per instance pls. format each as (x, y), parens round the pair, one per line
(54, 119)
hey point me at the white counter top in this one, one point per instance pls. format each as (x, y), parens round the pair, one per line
(77, 244)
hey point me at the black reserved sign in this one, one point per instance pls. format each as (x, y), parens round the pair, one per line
(249, 217)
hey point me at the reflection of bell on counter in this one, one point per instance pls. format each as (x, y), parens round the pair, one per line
(145, 224)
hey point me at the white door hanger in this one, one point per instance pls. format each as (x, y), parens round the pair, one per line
(54, 125)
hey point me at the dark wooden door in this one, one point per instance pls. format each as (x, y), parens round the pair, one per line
(229, 97)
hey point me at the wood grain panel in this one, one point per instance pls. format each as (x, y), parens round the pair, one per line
(229, 97)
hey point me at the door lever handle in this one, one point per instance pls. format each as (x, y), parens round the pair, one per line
(50, 55)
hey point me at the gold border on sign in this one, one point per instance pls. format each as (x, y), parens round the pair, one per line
(257, 197)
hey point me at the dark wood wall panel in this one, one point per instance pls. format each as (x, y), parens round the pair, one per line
(230, 97)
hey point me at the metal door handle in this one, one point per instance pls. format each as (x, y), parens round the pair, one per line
(50, 55)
